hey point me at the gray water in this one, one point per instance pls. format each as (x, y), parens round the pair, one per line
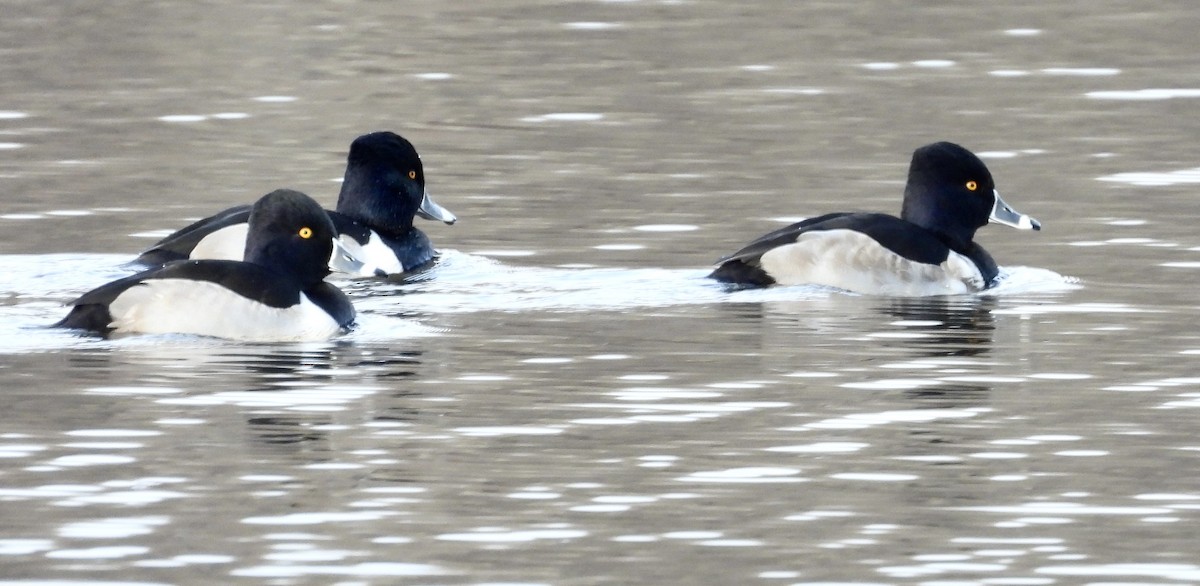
(565, 400)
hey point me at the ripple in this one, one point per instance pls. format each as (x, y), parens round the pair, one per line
(1041, 508)
(322, 397)
(592, 26)
(619, 247)
(113, 433)
(865, 420)
(184, 118)
(1081, 71)
(875, 476)
(1068, 308)
(1145, 94)
(821, 448)
(363, 569)
(133, 390)
(750, 475)
(78, 460)
(894, 384)
(547, 360)
(317, 518)
(659, 394)
(534, 495)
(600, 508)
(1155, 178)
(113, 528)
(1184, 572)
(504, 536)
(98, 553)
(666, 228)
(565, 117)
(24, 546)
(731, 543)
(693, 535)
(499, 431)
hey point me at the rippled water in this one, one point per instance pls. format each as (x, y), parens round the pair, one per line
(565, 399)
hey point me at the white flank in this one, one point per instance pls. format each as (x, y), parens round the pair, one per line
(181, 306)
(228, 243)
(374, 254)
(855, 262)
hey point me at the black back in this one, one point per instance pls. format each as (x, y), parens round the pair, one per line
(179, 245)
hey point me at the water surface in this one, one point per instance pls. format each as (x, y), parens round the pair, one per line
(565, 399)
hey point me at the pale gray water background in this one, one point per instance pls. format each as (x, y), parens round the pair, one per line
(565, 400)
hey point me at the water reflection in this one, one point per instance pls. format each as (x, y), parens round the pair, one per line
(589, 398)
(945, 329)
(948, 326)
(289, 394)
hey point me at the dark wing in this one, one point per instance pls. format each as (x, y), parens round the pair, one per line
(785, 235)
(178, 246)
(743, 267)
(91, 310)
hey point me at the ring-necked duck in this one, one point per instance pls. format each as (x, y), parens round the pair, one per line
(928, 250)
(277, 293)
(383, 189)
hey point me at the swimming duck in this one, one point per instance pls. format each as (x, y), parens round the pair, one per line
(928, 250)
(277, 292)
(383, 189)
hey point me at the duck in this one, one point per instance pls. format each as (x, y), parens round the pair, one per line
(383, 190)
(276, 292)
(928, 250)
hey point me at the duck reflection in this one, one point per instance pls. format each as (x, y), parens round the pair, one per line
(291, 395)
(950, 326)
(840, 334)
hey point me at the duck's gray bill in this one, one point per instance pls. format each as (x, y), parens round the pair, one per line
(430, 210)
(1002, 213)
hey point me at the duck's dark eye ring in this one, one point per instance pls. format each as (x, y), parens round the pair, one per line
(305, 233)
(972, 186)
(412, 174)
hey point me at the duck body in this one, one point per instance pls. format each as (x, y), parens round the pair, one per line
(928, 250)
(277, 293)
(382, 192)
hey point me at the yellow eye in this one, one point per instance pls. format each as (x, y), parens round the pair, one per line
(305, 232)
(972, 186)
(412, 174)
